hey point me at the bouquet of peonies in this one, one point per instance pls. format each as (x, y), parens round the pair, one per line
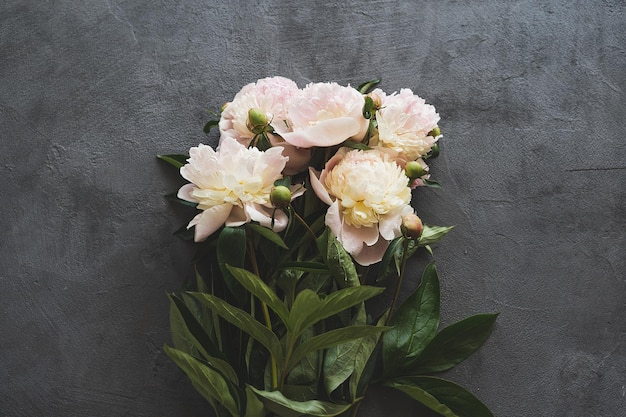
(303, 218)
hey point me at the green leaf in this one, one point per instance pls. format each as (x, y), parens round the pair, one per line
(454, 344)
(338, 260)
(175, 160)
(368, 85)
(459, 400)
(332, 338)
(277, 403)
(356, 145)
(414, 324)
(231, 250)
(268, 234)
(315, 267)
(254, 406)
(210, 125)
(385, 267)
(424, 397)
(308, 308)
(307, 371)
(260, 290)
(243, 321)
(431, 183)
(433, 234)
(365, 360)
(207, 381)
(190, 335)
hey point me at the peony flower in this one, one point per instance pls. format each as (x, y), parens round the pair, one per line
(232, 186)
(368, 194)
(324, 114)
(269, 96)
(404, 121)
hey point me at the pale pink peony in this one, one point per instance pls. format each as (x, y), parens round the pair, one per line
(272, 96)
(368, 194)
(232, 186)
(324, 114)
(404, 121)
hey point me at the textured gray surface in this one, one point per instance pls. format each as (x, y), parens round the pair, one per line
(534, 172)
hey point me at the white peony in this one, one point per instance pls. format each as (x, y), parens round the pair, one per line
(232, 186)
(324, 114)
(368, 194)
(404, 121)
(271, 96)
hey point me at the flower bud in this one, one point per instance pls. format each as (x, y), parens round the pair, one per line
(224, 106)
(412, 226)
(433, 153)
(280, 196)
(435, 132)
(257, 120)
(414, 170)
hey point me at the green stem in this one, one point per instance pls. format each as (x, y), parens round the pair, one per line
(405, 249)
(304, 223)
(266, 312)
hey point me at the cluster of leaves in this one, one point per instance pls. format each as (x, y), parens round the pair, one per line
(277, 325)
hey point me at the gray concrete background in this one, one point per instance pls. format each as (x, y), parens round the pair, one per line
(531, 95)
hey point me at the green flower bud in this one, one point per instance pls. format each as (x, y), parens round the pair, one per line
(280, 196)
(433, 153)
(412, 226)
(435, 132)
(414, 170)
(257, 120)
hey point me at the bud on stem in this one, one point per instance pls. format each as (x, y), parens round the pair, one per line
(280, 196)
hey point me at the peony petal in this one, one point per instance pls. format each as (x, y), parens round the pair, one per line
(372, 254)
(209, 221)
(237, 217)
(319, 189)
(185, 193)
(333, 219)
(325, 133)
(389, 224)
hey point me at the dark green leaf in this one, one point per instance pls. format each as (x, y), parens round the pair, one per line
(175, 160)
(368, 85)
(306, 371)
(308, 308)
(277, 403)
(332, 338)
(454, 344)
(254, 406)
(243, 321)
(210, 125)
(385, 268)
(231, 250)
(191, 337)
(356, 145)
(268, 234)
(316, 267)
(209, 382)
(433, 234)
(460, 401)
(260, 290)
(414, 324)
(341, 361)
(431, 183)
(424, 397)
(338, 260)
